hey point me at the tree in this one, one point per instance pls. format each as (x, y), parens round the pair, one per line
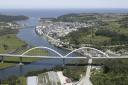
(5, 46)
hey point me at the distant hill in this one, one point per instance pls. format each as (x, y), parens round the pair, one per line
(9, 18)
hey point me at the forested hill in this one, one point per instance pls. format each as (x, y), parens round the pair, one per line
(9, 18)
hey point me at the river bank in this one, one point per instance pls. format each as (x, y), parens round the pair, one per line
(9, 45)
(58, 45)
(13, 45)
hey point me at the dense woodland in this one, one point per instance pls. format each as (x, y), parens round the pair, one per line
(113, 72)
(76, 17)
(8, 18)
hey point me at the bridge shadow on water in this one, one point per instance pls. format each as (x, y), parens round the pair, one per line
(50, 64)
(84, 64)
(27, 63)
(16, 62)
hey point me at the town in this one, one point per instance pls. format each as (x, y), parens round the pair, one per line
(56, 29)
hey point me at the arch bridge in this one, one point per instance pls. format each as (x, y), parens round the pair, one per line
(86, 52)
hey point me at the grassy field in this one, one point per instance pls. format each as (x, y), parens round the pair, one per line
(75, 72)
(9, 43)
(5, 65)
(15, 81)
(23, 80)
(12, 61)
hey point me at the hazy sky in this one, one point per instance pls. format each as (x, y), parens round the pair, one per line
(63, 4)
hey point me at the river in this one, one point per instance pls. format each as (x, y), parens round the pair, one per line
(29, 36)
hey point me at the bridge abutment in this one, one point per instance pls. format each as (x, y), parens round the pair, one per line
(63, 62)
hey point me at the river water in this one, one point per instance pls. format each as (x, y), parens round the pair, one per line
(30, 37)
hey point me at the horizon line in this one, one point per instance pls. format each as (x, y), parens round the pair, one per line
(55, 8)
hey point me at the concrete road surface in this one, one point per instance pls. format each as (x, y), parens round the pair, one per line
(86, 79)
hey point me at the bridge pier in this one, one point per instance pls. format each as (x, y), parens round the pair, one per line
(2, 59)
(20, 63)
(63, 62)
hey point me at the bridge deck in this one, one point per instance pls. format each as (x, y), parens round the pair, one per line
(78, 57)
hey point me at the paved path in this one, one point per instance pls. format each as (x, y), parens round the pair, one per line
(86, 79)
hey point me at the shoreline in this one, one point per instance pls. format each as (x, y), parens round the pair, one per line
(19, 48)
(39, 34)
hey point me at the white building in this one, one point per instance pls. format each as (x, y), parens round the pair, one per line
(33, 80)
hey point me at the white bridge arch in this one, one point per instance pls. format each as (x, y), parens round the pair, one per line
(106, 55)
(42, 47)
(66, 56)
(60, 55)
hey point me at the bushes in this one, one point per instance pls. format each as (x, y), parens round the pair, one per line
(13, 80)
(70, 73)
(115, 37)
(75, 72)
(124, 22)
(115, 72)
(5, 46)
